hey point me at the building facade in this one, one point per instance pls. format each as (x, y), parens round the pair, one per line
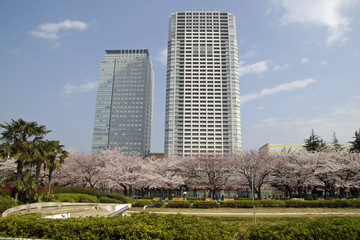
(124, 102)
(276, 148)
(202, 89)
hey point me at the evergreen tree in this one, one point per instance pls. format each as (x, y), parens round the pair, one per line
(356, 142)
(335, 142)
(314, 143)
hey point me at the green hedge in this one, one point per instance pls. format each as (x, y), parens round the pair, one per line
(7, 202)
(271, 203)
(139, 226)
(152, 226)
(205, 204)
(195, 199)
(75, 197)
(120, 197)
(313, 203)
(178, 204)
(142, 203)
(89, 191)
(319, 228)
(108, 200)
(240, 204)
(4, 192)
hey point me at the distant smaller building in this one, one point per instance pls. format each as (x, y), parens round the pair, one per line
(271, 148)
(155, 155)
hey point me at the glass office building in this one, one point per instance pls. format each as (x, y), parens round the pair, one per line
(124, 102)
(202, 89)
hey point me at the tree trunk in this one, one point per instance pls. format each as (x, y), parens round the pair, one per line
(37, 172)
(213, 192)
(50, 178)
(258, 192)
(20, 166)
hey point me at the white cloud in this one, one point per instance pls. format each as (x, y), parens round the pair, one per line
(344, 120)
(258, 67)
(83, 87)
(286, 87)
(162, 56)
(267, 11)
(260, 108)
(249, 54)
(304, 60)
(278, 67)
(319, 12)
(50, 31)
(323, 63)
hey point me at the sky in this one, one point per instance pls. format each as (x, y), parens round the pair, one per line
(299, 64)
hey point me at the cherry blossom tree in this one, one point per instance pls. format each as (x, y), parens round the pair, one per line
(254, 168)
(126, 171)
(348, 175)
(81, 169)
(7, 168)
(294, 171)
(208, 170)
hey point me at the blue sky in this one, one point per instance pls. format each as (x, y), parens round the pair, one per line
(299, 64)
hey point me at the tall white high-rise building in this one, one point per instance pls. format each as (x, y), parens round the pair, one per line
(202, 88)
(124, 102)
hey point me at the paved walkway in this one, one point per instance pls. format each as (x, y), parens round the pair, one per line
(226, 214)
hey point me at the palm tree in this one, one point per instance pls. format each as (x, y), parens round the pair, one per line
(18, 140)
(54, 157)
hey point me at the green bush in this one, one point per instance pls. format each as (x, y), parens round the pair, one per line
(239, 204)
(205, 204)
(120, 197)
(312, 204)
(178, 204)
(4, 192)
(195, 199)
(85, 198)
(75, 197)
(108, 200)
(152, 226)
(271, 203)
(149, 198)
(318, 228)
(139, 226)
(6, 202)
(89, 191)
(142, 203)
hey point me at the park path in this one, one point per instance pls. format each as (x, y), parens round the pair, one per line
(226, 214)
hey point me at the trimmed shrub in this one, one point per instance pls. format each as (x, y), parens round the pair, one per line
(150, 198)
(75, 197)
(108, 200)
(205, 204)
(139, 226)
(312, 228)
(240, 204)
(312, 204)
(5, 191)
(271, 203)
(195, 199)
(142, 203)
(120, 197)
(6, 202)
(85, 198)
(89, 191)
(178, 204)
(159, 204)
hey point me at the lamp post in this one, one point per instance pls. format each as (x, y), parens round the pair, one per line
(253, 193)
